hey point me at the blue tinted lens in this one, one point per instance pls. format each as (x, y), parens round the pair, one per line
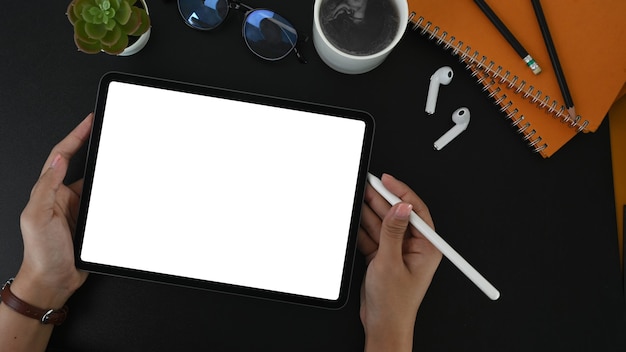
(268, 34)
(203, 14)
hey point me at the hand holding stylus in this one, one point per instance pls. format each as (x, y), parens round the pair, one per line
(427, 231)
(401, 264)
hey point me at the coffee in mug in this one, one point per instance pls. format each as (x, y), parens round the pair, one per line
(359, 27)
(355, 36)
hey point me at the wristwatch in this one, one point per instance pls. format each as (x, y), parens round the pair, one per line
(45, 316)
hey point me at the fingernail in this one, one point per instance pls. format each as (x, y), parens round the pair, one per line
(387, 176)
(55, 161)
(403, 210)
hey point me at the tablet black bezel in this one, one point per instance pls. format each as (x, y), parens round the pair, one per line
(238, 96)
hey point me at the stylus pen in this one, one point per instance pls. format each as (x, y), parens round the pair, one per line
(506, 33)
(438, 242)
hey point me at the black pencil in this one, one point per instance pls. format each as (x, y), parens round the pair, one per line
(506, 33)
(556, 64)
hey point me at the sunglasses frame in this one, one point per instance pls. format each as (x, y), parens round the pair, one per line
(247, 10)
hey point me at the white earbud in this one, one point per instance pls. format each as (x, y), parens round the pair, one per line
(461, 118)
(441, 76)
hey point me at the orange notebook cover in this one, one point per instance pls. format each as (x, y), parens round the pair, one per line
(589, 37)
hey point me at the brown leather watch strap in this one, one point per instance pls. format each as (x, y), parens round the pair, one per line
(45, 316)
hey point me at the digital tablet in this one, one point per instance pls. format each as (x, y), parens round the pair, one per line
(223, 190)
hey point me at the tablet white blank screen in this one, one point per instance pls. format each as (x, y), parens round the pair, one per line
(221, 190)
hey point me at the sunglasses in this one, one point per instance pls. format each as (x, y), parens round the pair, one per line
(266, 33)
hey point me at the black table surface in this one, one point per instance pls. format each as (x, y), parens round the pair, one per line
(542, 231)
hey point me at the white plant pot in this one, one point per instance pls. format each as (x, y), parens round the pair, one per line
(141, 41)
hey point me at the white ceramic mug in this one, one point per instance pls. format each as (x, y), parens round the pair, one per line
(355, 10)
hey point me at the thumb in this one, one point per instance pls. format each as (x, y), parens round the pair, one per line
(44, 192)
(393, 230)
(39, 210)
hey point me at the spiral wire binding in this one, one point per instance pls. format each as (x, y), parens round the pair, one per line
(490, 76)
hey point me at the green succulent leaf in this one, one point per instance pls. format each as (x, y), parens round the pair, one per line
(103, 4)
(100, 12)
(95, 30)
(144, 22)
(79, 31)
(117, 47)
(110, 25)
(123, 13)
(79, 5)
(133, 23)
(71, 16)
(90, 14)
(112, 36)
(117, 4)
(87, 46)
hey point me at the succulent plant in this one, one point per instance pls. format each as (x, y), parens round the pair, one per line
(105, 25)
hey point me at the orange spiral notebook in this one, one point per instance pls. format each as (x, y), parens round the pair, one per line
(589, 36)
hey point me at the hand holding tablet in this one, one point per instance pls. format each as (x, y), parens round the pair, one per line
(127, 144)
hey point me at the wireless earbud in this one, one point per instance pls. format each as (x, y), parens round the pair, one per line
(461, 118)
(441, 76)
